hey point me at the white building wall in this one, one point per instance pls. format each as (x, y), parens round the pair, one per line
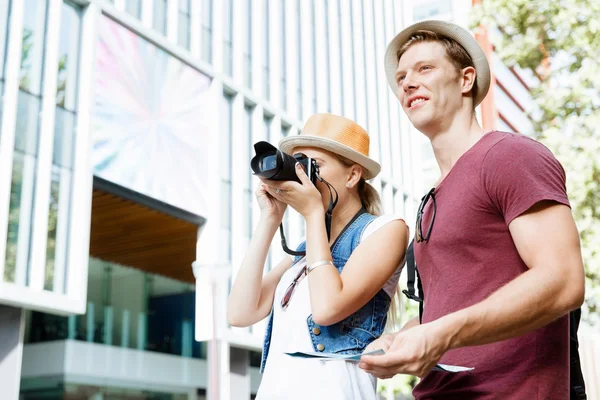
(344, 76)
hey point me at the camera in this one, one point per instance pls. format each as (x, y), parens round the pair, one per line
(270, 163)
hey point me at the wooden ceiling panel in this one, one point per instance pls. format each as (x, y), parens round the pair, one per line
(135, 235)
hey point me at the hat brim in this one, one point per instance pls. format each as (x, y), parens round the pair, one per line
(370, 167)
(462, 36)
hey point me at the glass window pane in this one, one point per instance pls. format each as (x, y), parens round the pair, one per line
(249, 192)
(1, 103)
(267, 123)
(248, 45)
(207, 14)
(4, 18)
(52, 227)
(206, 45)
(227, 36)
(313, 28)
(26, 142)
(23, 179)
(60, 198)
(19, 221)
(68, 50)
(134, 7)
(4, 26)
(160, 16)
(206, 18)
(267, 52)
(183, 34)
(249, 199)
(432, 9)
(184, 6)
(64, 137)
(62, 158)
(13, 219)
(227, 20)
(226, 137)
(327, 55)
(283, 58)
(299, 59)
(28, 119)
(120, 299)
(340, 57)
(34, 32)
(226, 204)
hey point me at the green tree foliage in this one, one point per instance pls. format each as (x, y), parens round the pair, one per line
(560, 41)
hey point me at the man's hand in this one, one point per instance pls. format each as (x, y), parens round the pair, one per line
(383, 343)
(414, 351)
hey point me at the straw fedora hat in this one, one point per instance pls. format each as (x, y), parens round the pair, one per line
(459, 34)
(338, 135)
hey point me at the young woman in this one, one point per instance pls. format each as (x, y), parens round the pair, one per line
(334, 299)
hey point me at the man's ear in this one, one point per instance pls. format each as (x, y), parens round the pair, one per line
(354, 176)
(468, 79)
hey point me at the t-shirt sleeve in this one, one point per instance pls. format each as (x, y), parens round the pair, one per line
(518, 172)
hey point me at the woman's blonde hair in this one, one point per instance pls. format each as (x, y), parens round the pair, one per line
(368, 195)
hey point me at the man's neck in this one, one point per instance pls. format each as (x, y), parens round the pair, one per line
(451, 143)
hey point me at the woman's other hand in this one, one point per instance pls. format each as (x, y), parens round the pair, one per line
(270, 207)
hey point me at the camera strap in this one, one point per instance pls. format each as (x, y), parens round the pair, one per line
(328, 217)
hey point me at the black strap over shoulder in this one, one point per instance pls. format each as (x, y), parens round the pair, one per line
(577, 387)
(412, 277)
(411, 271)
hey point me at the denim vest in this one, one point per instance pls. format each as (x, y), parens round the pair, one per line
(353, 334)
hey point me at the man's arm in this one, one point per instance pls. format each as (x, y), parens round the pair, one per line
(548, 242)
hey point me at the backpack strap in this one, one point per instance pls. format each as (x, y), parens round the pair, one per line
(413, 275)
(577, 384)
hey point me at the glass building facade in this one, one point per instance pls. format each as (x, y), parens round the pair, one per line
(162, 100)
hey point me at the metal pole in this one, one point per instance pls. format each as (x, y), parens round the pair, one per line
(12, 328)
(213, 352)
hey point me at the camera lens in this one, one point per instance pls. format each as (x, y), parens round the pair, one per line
(269, 162)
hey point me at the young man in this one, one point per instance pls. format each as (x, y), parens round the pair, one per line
(495, 243)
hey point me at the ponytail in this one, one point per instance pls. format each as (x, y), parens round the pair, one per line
(369, 198)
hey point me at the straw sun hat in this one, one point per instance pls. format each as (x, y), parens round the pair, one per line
(338, 135)
(459, 34)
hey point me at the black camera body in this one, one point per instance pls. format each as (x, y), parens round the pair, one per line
(270, 163)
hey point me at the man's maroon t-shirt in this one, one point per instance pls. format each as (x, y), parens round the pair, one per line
(470, 254)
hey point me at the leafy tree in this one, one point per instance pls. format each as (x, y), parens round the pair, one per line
(560, 42)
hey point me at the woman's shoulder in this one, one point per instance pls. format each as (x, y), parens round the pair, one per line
(380, 221)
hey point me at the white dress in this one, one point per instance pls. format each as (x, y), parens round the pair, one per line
(290, 378)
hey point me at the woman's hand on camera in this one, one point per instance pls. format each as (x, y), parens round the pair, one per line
(270, 207)
(304, 198)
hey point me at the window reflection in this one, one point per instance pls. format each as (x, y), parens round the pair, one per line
(4, 19)
(26, 139)
(62, 158)
(72, 391)
(128, 308)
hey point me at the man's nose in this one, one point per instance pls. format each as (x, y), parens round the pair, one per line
(408, 83)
